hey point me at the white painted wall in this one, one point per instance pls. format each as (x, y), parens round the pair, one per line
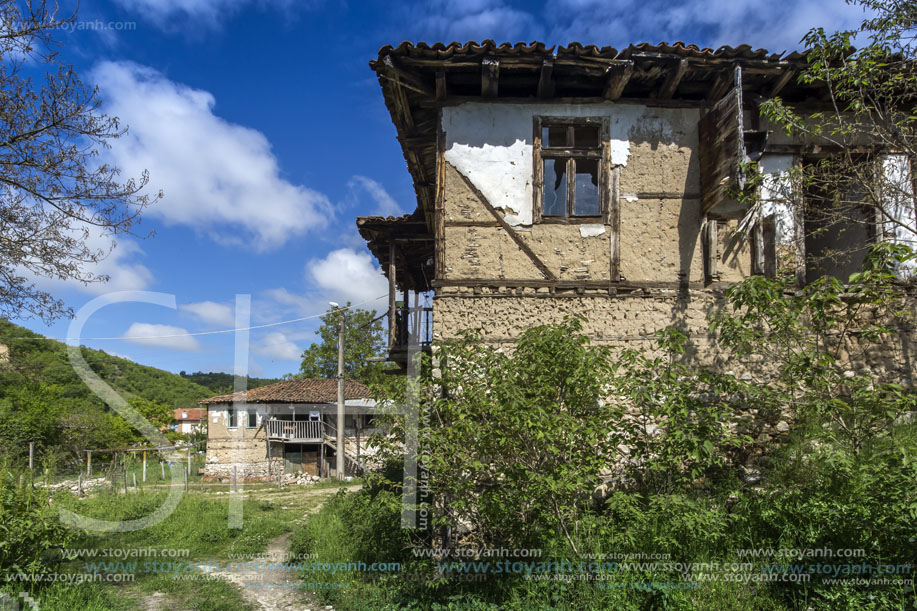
(777, 194)
(491, 144)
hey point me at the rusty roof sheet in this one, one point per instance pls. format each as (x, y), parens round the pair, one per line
(297, 390)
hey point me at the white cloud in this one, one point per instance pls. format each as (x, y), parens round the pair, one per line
(278, 347)
(218, 177)
(201, 12)
(385, 203)
(118, 263)
(347, 275)
(703, 22)
(161, 336)
(464, 20)
(211, 312)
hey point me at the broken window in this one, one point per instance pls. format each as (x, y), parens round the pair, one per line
(570, 171)
(233, 421)
(839, 226)
(252, 419)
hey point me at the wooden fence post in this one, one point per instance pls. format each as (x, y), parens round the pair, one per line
(162, 469)
(144, 467)
(88, 464)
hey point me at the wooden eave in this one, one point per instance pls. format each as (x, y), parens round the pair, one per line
(413, 247)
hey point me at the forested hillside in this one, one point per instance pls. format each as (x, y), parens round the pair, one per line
(222, 383)
(43, 400)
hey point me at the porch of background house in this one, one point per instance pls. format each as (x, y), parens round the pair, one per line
(308, 442)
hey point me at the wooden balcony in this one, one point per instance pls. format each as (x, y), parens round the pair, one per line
(302, 431)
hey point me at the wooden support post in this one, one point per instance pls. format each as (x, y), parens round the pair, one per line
(144, 467)
(187, 477)
(162, 469)
(490, 77)
(124, 474)
(392, 289)
(321, 460)
(135, 481)
(441, 90)
(31, 455)
(189, 460)
(88, 464)
(79, 484)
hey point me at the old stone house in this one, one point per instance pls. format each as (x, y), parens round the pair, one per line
(589, 180)
(288, 427)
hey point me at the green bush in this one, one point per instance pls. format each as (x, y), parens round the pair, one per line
(31, 534)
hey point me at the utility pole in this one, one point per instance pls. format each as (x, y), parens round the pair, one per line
(339, 459)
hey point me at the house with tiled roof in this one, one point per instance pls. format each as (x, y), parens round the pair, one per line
(604, 182)
(288, 427)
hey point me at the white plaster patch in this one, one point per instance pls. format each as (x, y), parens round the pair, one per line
(629, 197)
(776, 194)
(591, 230)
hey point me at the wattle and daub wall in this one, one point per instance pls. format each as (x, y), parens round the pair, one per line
(488, 281)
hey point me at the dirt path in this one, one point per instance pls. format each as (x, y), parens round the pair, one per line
(267, 589)
(271, 589)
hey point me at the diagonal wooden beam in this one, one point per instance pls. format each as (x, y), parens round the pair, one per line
(618, 74)
(546, 80)
(509, 230)
(723, 82)
(781, 82)
(667, 90)
(404, 78)
(490, 77)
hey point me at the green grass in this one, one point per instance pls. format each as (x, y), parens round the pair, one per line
(199, 525)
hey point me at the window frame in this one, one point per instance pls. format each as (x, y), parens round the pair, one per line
(601, 154)
(232, 418)
(250, 415)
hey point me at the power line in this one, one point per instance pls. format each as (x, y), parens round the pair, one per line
(198, 334)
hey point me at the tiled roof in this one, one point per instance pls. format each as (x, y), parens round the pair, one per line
(440, 50)
(297, 390)
(193, 413)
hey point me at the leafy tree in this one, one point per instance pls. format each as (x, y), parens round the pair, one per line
(515, 442)
(55, 195)
(871, 94)
(364, 338)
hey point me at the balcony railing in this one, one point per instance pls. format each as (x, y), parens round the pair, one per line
(417, 322)
(302, 430)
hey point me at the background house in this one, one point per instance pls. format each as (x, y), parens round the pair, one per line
(189, 420)
(287, 427)
(595, 181)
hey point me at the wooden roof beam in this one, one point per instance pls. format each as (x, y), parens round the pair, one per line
(404, 78)
(721, 85)
(619, 74)
(490, 77)
(441, 91)
(546, 80)
(782, 82)
(670, 84)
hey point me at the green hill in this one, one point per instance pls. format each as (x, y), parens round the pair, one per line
(43, 400)
(222, 383)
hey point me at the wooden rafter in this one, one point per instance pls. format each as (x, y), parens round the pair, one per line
(546, 79)
(670, 84)
(619, 74)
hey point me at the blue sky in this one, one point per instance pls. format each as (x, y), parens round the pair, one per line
(264, 127)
